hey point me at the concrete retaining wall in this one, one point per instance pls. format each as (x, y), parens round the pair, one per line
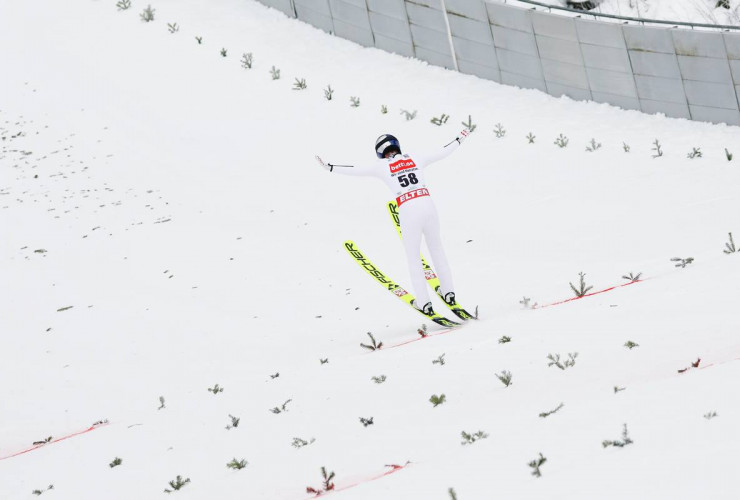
(680, 72)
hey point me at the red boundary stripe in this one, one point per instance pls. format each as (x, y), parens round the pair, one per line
(589, 294)
(36, 447)
(392, 470)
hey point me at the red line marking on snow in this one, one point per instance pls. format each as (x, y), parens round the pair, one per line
(393, 468)
(590, 294)
(433, 334)
(36, 447)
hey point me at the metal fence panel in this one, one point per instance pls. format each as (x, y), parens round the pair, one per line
(522, 81)
(520, 64)
(706, 69)
(616, 100)
(392, 45)
(426, 17)
(435, 58)
(608, 58)
(480, 70)
(660, 89)
(611, 82)
(478, 53)
(735, 69)
(284, 6)
(349, 12)
(430, 39)
(315, 13)
(353, 33)
(715, 115)
(600, 33)
(470, 29)
(671, 109)
(506, 16)
(514, 40)
(390, 8)
(699, 43)
(648, 39)
(558, 90)
(390, 27)
(716, 95)
(471, 9)
(561, 73)
(557, 49)
(554, 26)
(732, 44)
(654, 64)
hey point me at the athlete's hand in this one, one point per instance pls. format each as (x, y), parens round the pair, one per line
(464, 133)
(327, 166)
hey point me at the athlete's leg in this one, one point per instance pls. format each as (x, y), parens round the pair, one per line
(412, 219)
(436, 251)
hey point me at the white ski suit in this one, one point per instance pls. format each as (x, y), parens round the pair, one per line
(404, 175)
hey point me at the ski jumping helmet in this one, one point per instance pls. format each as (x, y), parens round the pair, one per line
(385, 143)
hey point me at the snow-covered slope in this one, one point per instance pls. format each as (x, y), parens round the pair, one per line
(166, 228)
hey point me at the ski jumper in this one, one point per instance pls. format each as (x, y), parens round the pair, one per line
(404, 175)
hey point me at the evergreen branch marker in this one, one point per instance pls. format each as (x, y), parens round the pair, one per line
(237, 464)
(680, 262)
(277, 374)
(328, 92)
(199, 39)
(618, 389)
(499, 131)
(161, 403)
(441, 120)
(583, 289)
(409, 115)
(223, 52)
(626, 147)
(440, 360)
(147, 14)
(453, 495)
(215, 389)
(354, 102)
(115, 463)
(548, 413)
(631, 345)
(383, 109)
(531, 138)
(378, 380)
(437, 400)
(504, 340)
(275, 73)
(555, 360)
(374, 346)
(730, 247)
(300, 443)
(728, 155)
(246, 60)
(472, 438)
(657, 149)
(177, 483)
(470, 125)
(300, 84)
(631, 277)
(505, 378)
(173, 27)
(283, 408)
(710, 415)
(617, 443)
(323, 361)
(695, 153)
(123, 4)
(366, 421)
(327, 485)
(234, 422)
(593, 146)
(536, 464)
(561, 141)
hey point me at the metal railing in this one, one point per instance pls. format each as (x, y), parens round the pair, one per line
(640, 20)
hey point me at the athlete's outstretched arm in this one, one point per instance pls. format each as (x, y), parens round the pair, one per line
(447, 149)
(357, 169)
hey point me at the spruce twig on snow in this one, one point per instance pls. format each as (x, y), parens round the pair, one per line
(470, 125)
(366, 421)
(441, 120)
(354, 102)
(440, 360)
(199, 39)
(327, 485)
(237, 464)
(500, 131)
(561, 141)
(300, 84)
(536, 464)
(472, 438)
(437, 400)
(555, 360)
(617, 443)
(323, 361)
(161, 402)
(374, 345)
(505, 378)
(695, 153)
(177, 484)
(282, 408)
(328, 93)
(680, 262)
(657, 149)
(215, 389)
(728, 155)
(300, 443)
(147, 15)
(123, 4)
(275, 73)
(115, 463)
(632, 277)
(504, 340)
(710, 415)
(408, 115)
(173, 27)
(223, 52)
(593, 145)
(546, 414)
(626, 147)
(246, 60)
(383, 109)
(40, 492)
(582, 288)
(531, 138)
(378, 380)
(453, 495)
(730, 246)
(618, 389)
(234, 422)
(631, 345)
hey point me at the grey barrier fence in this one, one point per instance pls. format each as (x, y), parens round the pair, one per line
(683, 73)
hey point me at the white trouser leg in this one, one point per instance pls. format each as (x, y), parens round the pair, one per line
(437, 253)
(412, 221)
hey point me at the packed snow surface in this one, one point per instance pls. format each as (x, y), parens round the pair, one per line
(167, 233)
